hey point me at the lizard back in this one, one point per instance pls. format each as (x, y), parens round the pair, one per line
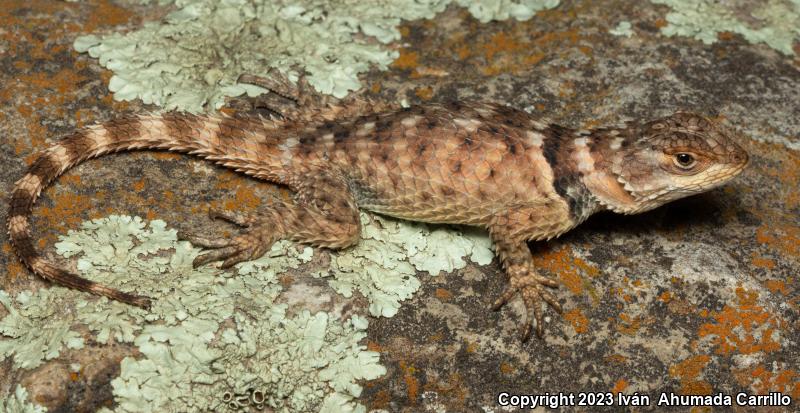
(454, 163)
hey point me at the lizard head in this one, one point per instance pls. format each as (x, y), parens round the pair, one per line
(674, 157)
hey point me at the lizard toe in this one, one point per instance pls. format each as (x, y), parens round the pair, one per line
(202, 242)
(242, 220)
(214, 255)
(249, 245)
(531, 288)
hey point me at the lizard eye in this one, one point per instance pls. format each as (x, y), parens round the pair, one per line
(684, 160)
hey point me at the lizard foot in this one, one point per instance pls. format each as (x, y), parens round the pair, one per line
(254, 240)
(531, 286)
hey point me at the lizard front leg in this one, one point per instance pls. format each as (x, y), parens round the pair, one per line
(510, 232)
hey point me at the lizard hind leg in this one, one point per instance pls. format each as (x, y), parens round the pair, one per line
(324, 214)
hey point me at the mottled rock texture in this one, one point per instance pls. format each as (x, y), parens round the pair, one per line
(697, 297)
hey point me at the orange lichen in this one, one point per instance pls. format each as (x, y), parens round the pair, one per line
(374, 346)
(782, 381)
(501, 42)
(762, 262)
(619, 386)
(380, 401)
(443, 294)
(764, 381)
(534, 59)
(511, 49)
(138, 186)
(14, 268)
(616, 358)
(408, 60)
(46, 93)
(69, 179)
(501, 54)
(567, 267)
(787, 172)
(629, 325)
(784, 238)
(578, 320)
(64, 81)
(453, 389)
(463, 52)
(744, 328)
(106, 13)
(665, 297)
(412, 384)
(688, 373)
(507, 368)
(66, 212)
(777, 286)
(424, 93)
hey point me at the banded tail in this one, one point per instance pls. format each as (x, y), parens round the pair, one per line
(244, 144)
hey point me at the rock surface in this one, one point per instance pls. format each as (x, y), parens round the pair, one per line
(697, 297)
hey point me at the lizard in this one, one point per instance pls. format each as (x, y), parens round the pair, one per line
(474, 163)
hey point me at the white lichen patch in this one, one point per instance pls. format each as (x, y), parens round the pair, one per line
(488, 10)
(17, 402)
(191, 59)
(36, 328)
(774, 22)
(202, 344)
(622, 29)
(188, 361)
(292, 364)
(382, 266)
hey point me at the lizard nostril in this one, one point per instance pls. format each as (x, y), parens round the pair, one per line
(740, 157)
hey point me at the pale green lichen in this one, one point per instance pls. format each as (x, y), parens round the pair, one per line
(205, 334)
(36, 328)
(777, 22)
(191, 59)
(382, 266)
(622, 29)
(186, 362)
(488, 10)
(18, 403)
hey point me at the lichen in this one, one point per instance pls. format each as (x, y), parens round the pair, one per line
(18, 403)
(36, 328)
(382, 266)
(191, 59)
(622, 29)
(205, 332)
(188, 361)
(488, 10)
(778, 21)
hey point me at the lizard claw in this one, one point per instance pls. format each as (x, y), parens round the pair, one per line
(254, 240)
(244, 221)
(244, 247)
(530, 287)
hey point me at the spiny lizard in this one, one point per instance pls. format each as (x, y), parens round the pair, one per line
(473, 163)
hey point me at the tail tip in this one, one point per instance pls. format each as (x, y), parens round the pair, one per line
(142, 302)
